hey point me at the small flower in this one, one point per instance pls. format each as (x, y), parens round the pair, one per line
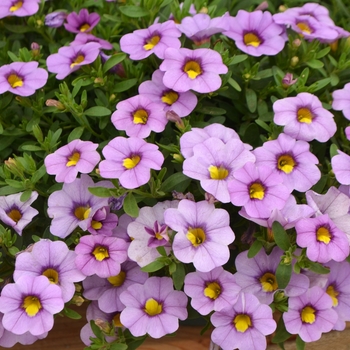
(29, 304)
(154, 308)
(76, 157)
(82, 22)
(103, 222)
(71, 58)
(310, 314)
(100, 255)
(19, 8)
(243, 325)
(288, 80)
(255, 33)
(341, 100)
(154, 39)
(22, 78)
(130, 160)
(84, 38)
(55, 19)
(203, 234)
(341, 167)
(15, 213)
(304, 118)
(196, 70)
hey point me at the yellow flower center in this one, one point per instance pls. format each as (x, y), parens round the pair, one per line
(242, 322)
(15, 215)
(82, 213)
(218, 173)
(140, 116)
(52, 275)
(251, 39)
(117, 280)
(16, 6)
(96, 225)
(170, 97)
(308, 314)
(84, 27)
(78, 60)
(100, 253)
(286, 163)
(130, 163)
(333, 294)
(151, 43)
(305, 116)
(213, 290)
(304, 28)
(116, 320)
(193, 69)
(73, 159)
(256, 191)
(268, 282)
(196, 236)
(31, 305)
(15, 81)
(323, 235)
(152, 307)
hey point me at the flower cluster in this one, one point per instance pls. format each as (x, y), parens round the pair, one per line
(194, 163)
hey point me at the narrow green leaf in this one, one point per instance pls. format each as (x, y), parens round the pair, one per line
(15, 183)
(97, 111)
(124, 85)
(113, 61)
(283, 275)
(334, 79)
(71, 314)
(210, 110)
(25, 195)
(100, 191)
(323, 52)
(237, 59)
(39, 174)
(30, 148)
(130, 205)
(300, 344)
(179, 276)
(153, 266)
(133, 11)
(234, 84)
(76, 133)
(315, 64)
(280, 235)
(251, 99)
(263, 125)
(318, 268)
(333, 150)
(13, 57)
(118, 346)
(4, 191)
(254, 249)
(172, 181)
(281, 334)
(161, 250)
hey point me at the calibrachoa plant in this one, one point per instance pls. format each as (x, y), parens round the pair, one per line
(167, 160)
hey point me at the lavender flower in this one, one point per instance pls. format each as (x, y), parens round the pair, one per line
(84, 38)
(82, 22)
(55, 19)
(19, 8)
(341, 100)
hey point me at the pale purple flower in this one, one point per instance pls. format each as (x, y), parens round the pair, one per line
(100, 255)
(288, 80)
(84, 38)
(15, 213)
(74, 206)
(181, 103)
(76, 157)
(341, 167)
(29, 305)
(71, 58)
(255, 33)
(293, 161)
(214, 162)
(257, 275)
(108, 290)
(19, 8)
(148, 231)
(304, 118)
(53, 260)
(322, 239)
(258, 189)
(341, 100)
(138, 116)
(191, 138)
(154, 39)
(121, 230)
(338, 288)
(103, 222)
(200, 27)
(203, 234)
(82, 22)
(22, 78)
(310, 314)
(130, 160)
(211, 291)
(55, 19)
(196, 70)
(153, 308)
(243, 325)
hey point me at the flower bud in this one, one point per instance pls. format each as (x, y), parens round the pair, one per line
(55, 19)
(296, 43)
(103, 325)
(294, 61)
(78, 300)
(263, 6)
(173, 117)
(35, 49)
(288, 80)
(54, 103)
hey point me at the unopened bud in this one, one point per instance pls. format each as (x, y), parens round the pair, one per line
(78, 300)
(178, 157)
(288, 80)
(103, 325)
(294, 61)
(14, 167)
(55, 19)
(203, 10)
(210, 198)
(54, 103)
(174, 117)
(99, 81)
(296, 43)
(78, 288)
(263, 6)
(282, 8)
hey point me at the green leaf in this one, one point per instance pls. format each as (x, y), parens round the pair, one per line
(323, 52)
(4, 191)
(252, 135)
(15, 184)
(133, 11)
(209, 110)
(153, 266)
(283, 275)
(38, 174)
(30, 148)
(333, 150)
(318, 85)
(280, 235)
(135, 344)
(118, 346)
(300, 344)
(281, 334)
(318, 268)
(113, 61)
(36, 238)
(97, 111)
(251, 99)
(161, 250)
(130, 205)
(19, 29)
(254, 248)
(100, 191)
(172, 181)
(237, 59)
(125, 85)
(263, 125)
(25, 195)
(13, 250)
(13, 57)
(75, 133)
(179, 276)
(234, 84)
(71, 314)
(315, 64)
(334, 79)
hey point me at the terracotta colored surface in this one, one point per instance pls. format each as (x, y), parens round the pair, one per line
(65, 335)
